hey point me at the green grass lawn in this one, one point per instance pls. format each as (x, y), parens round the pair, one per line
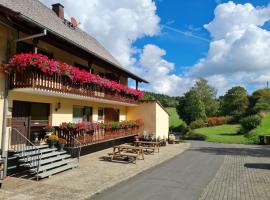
(223, 134)
(175, 121)
(264, 129)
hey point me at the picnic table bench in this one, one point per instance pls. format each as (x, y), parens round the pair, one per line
(127, 151)
(148, 145)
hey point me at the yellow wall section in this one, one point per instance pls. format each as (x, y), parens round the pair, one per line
(156, 120)
(146, 112)
(64, 114)
(162, 122)
(6, 46)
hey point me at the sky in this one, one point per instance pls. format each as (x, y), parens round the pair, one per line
(171, 43)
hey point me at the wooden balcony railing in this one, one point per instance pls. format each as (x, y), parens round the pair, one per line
(58, 84)
(97, 136)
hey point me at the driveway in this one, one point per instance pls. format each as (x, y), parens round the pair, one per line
(205, 171)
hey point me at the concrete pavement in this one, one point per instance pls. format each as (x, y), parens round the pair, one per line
(183, 177)
(207, 171)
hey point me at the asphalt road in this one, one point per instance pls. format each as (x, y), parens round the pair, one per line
(183, 177)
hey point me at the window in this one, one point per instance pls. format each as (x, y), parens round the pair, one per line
(82, 114)
(40, 111)
(100, 113)
(23, 47)
(81, 66)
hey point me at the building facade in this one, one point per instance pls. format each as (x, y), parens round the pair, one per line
(31, 99)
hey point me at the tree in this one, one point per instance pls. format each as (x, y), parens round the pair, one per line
(207, 95)
(235, 102)
(165, 100)
(190, 107)
(260, 101)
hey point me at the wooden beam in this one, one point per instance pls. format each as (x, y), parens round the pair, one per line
(137, 85)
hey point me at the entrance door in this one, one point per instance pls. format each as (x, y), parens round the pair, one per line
(111, 114)
(20, 121)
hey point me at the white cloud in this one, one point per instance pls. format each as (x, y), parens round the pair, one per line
(159, 72)
(238, 50)
(116, 24)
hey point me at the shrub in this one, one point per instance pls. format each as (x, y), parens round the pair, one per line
(214, 121)
(191, 135)
(183, 128)
(197, 124)
(250, 122)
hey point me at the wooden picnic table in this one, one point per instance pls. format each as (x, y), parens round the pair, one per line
(148, 144)
(127, 151)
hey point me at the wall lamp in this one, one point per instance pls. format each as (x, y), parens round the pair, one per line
(58, 106)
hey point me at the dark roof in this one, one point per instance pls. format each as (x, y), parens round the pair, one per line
(41, 15)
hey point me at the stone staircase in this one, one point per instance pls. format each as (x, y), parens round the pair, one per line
(40, 161)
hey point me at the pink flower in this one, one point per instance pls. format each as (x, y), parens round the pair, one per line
(49, 66)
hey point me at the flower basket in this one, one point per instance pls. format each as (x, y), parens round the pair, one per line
(61, 144)
(52, 141)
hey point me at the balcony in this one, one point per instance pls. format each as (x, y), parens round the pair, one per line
(81, 137)
(36, 73)
(61, 86)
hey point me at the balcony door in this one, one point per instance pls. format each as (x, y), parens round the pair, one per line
(20, 121)
(111, 115)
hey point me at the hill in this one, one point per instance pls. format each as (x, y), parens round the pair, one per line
(175, 121)
(165, 100)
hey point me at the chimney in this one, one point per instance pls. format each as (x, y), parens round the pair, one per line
(58, 9)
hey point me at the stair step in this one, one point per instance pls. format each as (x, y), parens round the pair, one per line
(34, 152)
(29, 148)
(48, 160)
(12, 158)
(52, 165)
(11, 167)
(57, 170)
(47, 155)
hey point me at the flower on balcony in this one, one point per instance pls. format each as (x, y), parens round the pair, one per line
(33, 61)
(88, 127)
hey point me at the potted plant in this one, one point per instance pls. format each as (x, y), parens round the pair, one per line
(61, 144)
(52, 141)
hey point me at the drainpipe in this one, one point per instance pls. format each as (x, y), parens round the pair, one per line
(4, 125)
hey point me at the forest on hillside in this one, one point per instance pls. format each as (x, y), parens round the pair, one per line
(165, 100)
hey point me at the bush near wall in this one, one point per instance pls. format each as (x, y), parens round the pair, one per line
(250, 122)
(191, 135)
(215, 121)
(197, 124)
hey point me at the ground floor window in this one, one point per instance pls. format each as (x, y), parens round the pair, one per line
(100, 113)
(82, 114)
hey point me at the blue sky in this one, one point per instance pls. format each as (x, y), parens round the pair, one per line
(187, 16)
(171, 43)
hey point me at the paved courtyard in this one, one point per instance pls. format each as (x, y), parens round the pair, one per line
(206, 171)
(244, 175)
(93, 176)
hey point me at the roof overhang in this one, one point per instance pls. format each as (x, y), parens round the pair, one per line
(59, 36)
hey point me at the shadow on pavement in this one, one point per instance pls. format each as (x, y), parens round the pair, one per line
(258, 165)
(256, 151)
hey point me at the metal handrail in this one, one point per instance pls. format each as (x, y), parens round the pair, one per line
(20, 146)
(80, 147)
